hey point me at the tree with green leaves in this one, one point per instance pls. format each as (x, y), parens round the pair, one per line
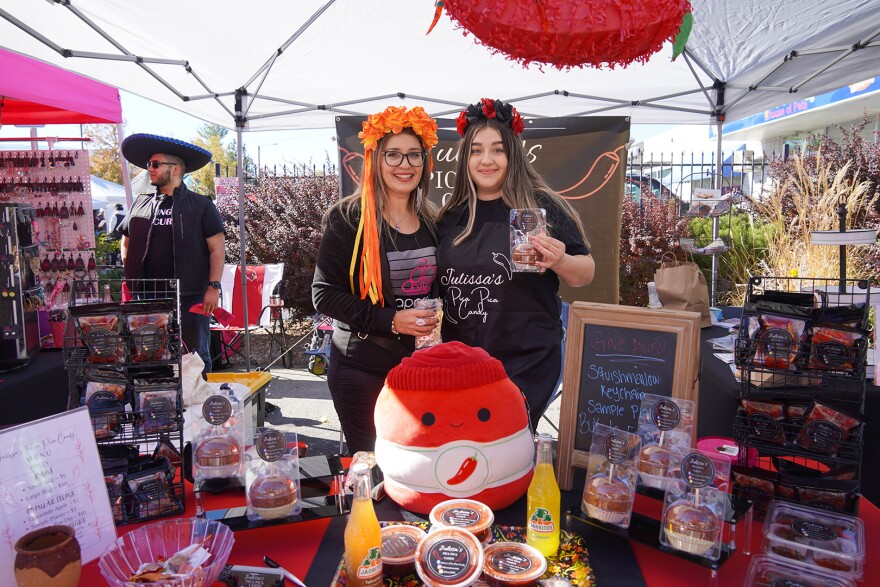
(104, 158)
(212, 137)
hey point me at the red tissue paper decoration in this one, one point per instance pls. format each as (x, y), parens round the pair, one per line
(571, 33)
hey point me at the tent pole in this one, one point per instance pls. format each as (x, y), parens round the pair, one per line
(126, 180)
(242, 236)
(716, 222)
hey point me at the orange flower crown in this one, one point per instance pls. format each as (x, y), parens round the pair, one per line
(395, 119)
(367, 265)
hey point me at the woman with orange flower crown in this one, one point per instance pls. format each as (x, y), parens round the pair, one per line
(512, 315)
(377, 256)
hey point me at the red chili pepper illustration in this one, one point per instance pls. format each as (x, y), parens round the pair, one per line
(467, 468)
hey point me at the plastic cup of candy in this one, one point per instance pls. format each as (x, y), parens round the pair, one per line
(449, 557)
(399, 543)
(690, 528)
(161, 540)
(467, 514)
(607, 500)
(512, 564)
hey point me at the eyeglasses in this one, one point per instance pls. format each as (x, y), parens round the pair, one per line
(156, 164)
(395, 158)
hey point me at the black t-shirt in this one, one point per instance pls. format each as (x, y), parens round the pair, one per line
(513, 316)
(413, 265)
(159, 262)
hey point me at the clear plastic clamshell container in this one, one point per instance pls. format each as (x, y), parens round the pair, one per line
(769, 571)
(827, 540)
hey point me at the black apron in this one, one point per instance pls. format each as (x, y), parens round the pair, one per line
(513, 316)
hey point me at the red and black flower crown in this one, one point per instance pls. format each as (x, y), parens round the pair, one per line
(488, 108)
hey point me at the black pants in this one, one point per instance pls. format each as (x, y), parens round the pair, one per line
(354, 394)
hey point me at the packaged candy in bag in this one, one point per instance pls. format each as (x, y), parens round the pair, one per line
(525, 223)
(100, 328)
(826, 428)
(765, 420)
(148, 333)
(152, 492)
(157, 410)
(834, 348)
(779, 341)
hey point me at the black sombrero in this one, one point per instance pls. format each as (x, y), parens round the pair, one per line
(139, 148)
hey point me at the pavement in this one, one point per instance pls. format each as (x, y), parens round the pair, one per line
(303, 405)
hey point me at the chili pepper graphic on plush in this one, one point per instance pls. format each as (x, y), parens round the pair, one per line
(467, 468)
(451, 424)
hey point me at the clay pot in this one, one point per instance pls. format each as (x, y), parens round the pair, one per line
(48, 557)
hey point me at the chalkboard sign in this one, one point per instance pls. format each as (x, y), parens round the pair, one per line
(613, 356)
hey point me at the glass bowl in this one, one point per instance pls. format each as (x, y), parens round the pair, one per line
(148, 544)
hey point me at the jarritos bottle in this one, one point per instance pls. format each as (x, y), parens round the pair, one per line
(363, 537)
(542, 525)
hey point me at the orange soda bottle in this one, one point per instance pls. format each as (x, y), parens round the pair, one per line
(542, 524)
(363, 537)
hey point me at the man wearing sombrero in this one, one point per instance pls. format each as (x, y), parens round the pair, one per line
(174, 234)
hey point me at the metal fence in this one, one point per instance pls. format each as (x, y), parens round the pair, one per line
(682, 173)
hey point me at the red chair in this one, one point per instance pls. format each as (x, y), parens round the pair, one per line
(263, 315)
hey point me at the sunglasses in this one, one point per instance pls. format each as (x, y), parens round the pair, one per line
(156, 164)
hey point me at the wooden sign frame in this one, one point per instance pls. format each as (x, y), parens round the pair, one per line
(685, 384)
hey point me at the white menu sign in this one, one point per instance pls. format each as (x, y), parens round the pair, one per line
(51, 474)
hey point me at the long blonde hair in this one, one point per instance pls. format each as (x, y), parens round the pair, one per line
(521, 184)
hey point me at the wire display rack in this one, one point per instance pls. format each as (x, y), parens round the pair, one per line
(802, 355)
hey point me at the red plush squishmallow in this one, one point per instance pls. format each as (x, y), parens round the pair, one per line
(451, 424)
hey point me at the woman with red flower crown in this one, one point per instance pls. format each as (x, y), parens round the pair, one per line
(512, 315)
(377, 256)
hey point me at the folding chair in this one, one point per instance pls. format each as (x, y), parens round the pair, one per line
(318, 350)
(262, 281)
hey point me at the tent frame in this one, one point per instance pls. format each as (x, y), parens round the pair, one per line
(245, 95)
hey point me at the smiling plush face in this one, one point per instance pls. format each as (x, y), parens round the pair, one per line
(451, 424)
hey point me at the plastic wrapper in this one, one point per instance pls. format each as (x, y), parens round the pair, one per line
(272, 477)
(765, 420)
(694, 509)
(435, 304)
(152, 492)
(114, 483)
(525, 223)
(148, 335)
(827, 429)
(666, 430)
(101, 333)
(778, 339)
(157, 410)
(612, 476)
(834, 348)
(218, 445)
(165, 448)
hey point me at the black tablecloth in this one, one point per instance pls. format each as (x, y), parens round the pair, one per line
(34, 391)
(611, 556)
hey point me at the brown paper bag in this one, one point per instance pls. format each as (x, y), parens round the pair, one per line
(682, 286)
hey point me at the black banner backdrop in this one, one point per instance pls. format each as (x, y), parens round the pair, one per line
(582, 158)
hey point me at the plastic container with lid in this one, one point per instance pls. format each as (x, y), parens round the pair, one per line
(399, 543)
(449, 557)
(512, 564)
(828, 540)
(770, 571)
(468, 514)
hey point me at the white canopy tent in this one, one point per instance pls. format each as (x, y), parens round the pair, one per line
(278, 64)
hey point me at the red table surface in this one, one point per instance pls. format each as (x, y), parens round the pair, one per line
(292, 545)
(295, 545)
